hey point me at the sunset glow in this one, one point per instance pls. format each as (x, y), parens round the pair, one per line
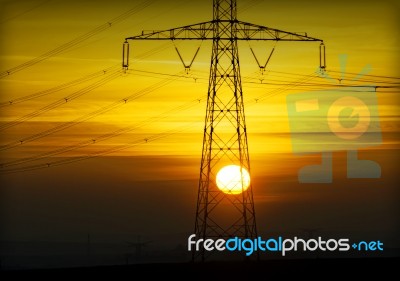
(233, 180)
(89, 149)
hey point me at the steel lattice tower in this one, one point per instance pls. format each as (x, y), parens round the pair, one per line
(218, 214)
(225, 137)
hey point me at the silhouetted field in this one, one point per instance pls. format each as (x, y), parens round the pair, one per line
(317, 268)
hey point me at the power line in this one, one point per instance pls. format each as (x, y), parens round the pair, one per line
(248, 5)
(24, 12)
(119, 132)
(78, 39)
(88, 116)
(285, 88)
(59, 87)
(79, 80)
(275, 82)
(107, 136)
(367, 75)
(62, 101)
(114, 134)
(287, 83)
(136, 142)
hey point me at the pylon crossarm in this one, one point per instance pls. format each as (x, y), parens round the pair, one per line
(198, 31)
(250, 31)
(204, 31)
(224, 210)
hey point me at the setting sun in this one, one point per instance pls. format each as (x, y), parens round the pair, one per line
(233, 180)
(126, 127)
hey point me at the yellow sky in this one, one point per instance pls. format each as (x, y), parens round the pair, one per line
(367, 33)
(152, 187)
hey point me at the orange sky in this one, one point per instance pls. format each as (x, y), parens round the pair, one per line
(366, 31)
(344, 27)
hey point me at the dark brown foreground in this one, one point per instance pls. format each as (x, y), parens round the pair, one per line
(314, 268)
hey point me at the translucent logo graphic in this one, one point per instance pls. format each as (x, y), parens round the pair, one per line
(342, 119)
(280, 244)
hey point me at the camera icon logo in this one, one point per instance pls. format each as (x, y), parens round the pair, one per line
(344, 119)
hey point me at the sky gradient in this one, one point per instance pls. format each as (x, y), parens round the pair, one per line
(149, 188)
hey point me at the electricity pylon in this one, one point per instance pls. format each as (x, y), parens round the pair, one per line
(219, 214)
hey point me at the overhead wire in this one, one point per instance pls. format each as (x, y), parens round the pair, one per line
(80, 80)
(300, 82)
(113, 149)
(24, 12)
(305, 78)
(285, 88)
(62, 101)
(247, 5)
(58, 88)
(95, 140)
(88, 116)
(110, 76)
(274, 82)
(96, 154)
(78, 39)
(367, 75)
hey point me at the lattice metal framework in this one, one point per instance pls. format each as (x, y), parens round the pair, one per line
(218, 214)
